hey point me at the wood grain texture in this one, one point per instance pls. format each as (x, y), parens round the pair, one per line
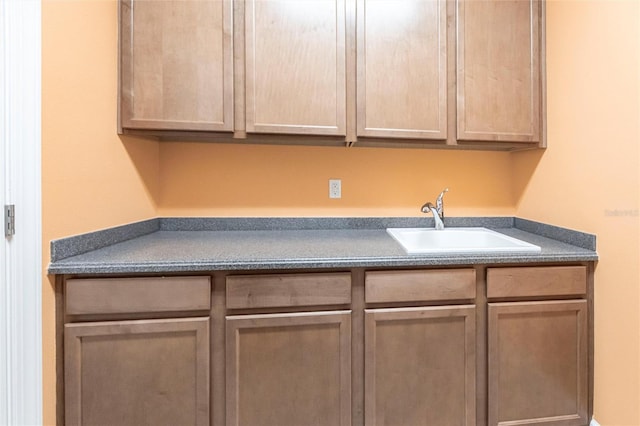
(217, 348)
(357, 348)
(289, 369)
(239, 76)
(149, 372)
(536, 281)
(132, 295)
(281, 290)
(402, 69)
(420, 285)
(481, 346)
(591, 336)
(296, 67)
(59, 345)
(420, 366)
(176, 65)
(498, 70)
(351, 78)
(538, 363)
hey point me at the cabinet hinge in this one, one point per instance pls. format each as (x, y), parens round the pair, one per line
(9, 220)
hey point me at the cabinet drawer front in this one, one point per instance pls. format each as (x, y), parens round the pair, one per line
(537, 281)
(270, 291)
(421, 285)
(131, 295)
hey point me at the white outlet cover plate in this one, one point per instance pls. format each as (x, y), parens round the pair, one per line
(335, 188)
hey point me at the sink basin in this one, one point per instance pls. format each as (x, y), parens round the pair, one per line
(458, 240)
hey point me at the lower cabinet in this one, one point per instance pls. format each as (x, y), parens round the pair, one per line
(122, 369)
(420, 366)
(538, 371)
(538, 348)
(289, 369)
(143, 372)
(486, 345)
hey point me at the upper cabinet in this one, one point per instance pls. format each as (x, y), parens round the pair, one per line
(498, 70)
(450, 73)
(402, 69)
(295, 66)
(176, 65)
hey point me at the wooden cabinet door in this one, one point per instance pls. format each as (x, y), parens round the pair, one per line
(176, 67)
(289, 369)
(420, 366)
(498, 70)
(295, 67)
(538, 363)
(145, 372)
(402, 69)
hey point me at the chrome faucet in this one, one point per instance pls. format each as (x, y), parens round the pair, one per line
(437, 210)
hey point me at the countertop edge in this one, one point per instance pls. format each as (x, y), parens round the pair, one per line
(332, 264)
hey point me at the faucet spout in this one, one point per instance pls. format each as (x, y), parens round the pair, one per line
(437, 210)
(427, 207)
(430, 208)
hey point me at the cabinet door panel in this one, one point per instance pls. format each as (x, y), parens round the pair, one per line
(153, 372)
(420, 366)
(289, 369)
(538, 363)
(498, 70)
(176, 66)
(295, 66)
(402, 69)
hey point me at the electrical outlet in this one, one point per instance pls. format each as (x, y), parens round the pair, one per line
(335, 188)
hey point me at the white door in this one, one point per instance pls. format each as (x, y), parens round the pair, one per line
(3, 245)
(20, 254)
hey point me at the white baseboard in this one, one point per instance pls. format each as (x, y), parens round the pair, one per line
(594, 423)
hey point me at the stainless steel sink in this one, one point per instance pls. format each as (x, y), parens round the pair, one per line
(458, 240)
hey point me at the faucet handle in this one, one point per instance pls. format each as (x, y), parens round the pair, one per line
(439, 203)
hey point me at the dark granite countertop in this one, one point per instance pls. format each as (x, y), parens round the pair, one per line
(168, 245)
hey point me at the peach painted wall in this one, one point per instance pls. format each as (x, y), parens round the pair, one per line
(254, 180)
(91, 179)
(94, 179)
(589, 177)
